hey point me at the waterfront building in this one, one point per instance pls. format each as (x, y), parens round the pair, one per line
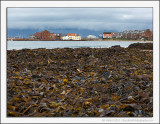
(37, 35)
(114, 34)
(65, 38)
(148, 35)
(137, 35)
(107, 35)
(141, 35)
(72, 36)
(124, 35)
(10, 39)
(32, 37)
(52, 36)
(119, 35)
(45, 35)
(58, 36)
(91, 37)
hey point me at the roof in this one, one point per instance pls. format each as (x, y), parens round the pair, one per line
(71, 34)
(106, 32)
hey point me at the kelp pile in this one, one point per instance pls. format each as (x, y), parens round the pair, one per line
(80, 82)
(147, 46)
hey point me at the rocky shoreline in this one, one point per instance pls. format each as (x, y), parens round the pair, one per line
(81, 82)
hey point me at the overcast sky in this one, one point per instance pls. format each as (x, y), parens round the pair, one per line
(118, 19)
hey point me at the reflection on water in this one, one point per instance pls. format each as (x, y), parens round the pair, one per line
(65, 44)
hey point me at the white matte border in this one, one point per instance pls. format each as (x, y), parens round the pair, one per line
(154, 4)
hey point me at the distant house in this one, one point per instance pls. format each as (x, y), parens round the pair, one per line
(32, 37)
(141, 35)
(45, 35)
(107, 35)
(137, 35)
(114, 34)
(91, 37)
(124, 34)
(65, 38)
(10, 39)
(148, 35)
(52, 36)
(119, 35)
(38, 35)
(72, 36)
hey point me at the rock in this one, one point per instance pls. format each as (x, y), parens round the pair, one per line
(146, 46)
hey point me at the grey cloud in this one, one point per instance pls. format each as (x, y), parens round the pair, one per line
(81, 18)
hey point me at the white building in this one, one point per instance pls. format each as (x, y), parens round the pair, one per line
(91, 37)
(32, 37)
(71, 36)
(65, 38)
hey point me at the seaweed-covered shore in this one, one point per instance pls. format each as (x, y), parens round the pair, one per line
(80, 82)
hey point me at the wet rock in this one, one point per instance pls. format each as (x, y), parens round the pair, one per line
(148, 46)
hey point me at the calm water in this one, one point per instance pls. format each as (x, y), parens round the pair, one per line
(65, 44)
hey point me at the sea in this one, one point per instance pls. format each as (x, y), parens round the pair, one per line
(18, 45)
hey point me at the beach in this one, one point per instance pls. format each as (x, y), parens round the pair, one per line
(80, 82)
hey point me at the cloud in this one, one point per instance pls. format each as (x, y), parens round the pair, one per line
(80, 18)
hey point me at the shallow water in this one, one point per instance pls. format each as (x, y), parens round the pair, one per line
(66, 44)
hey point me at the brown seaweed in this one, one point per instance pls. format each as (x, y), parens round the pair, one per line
(81, 82)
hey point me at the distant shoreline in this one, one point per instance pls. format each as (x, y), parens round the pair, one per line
(91, 40)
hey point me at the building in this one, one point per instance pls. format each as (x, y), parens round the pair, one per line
(137, 35)
(52, 36)
(38, 35)
(141, 35)
(91, 37)
(107, 35)
(65, 38)
(124, 34)
(10, 39)
(114, 34)
(58, 36)
(148, 35)
(45, 35)
(32, 37)
(119, 35)
(71, 36)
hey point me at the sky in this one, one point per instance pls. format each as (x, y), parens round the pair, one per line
(91, 19)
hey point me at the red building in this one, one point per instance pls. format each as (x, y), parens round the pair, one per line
(148, 35)
(37, 35)
(52, 36)
(45, 35)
